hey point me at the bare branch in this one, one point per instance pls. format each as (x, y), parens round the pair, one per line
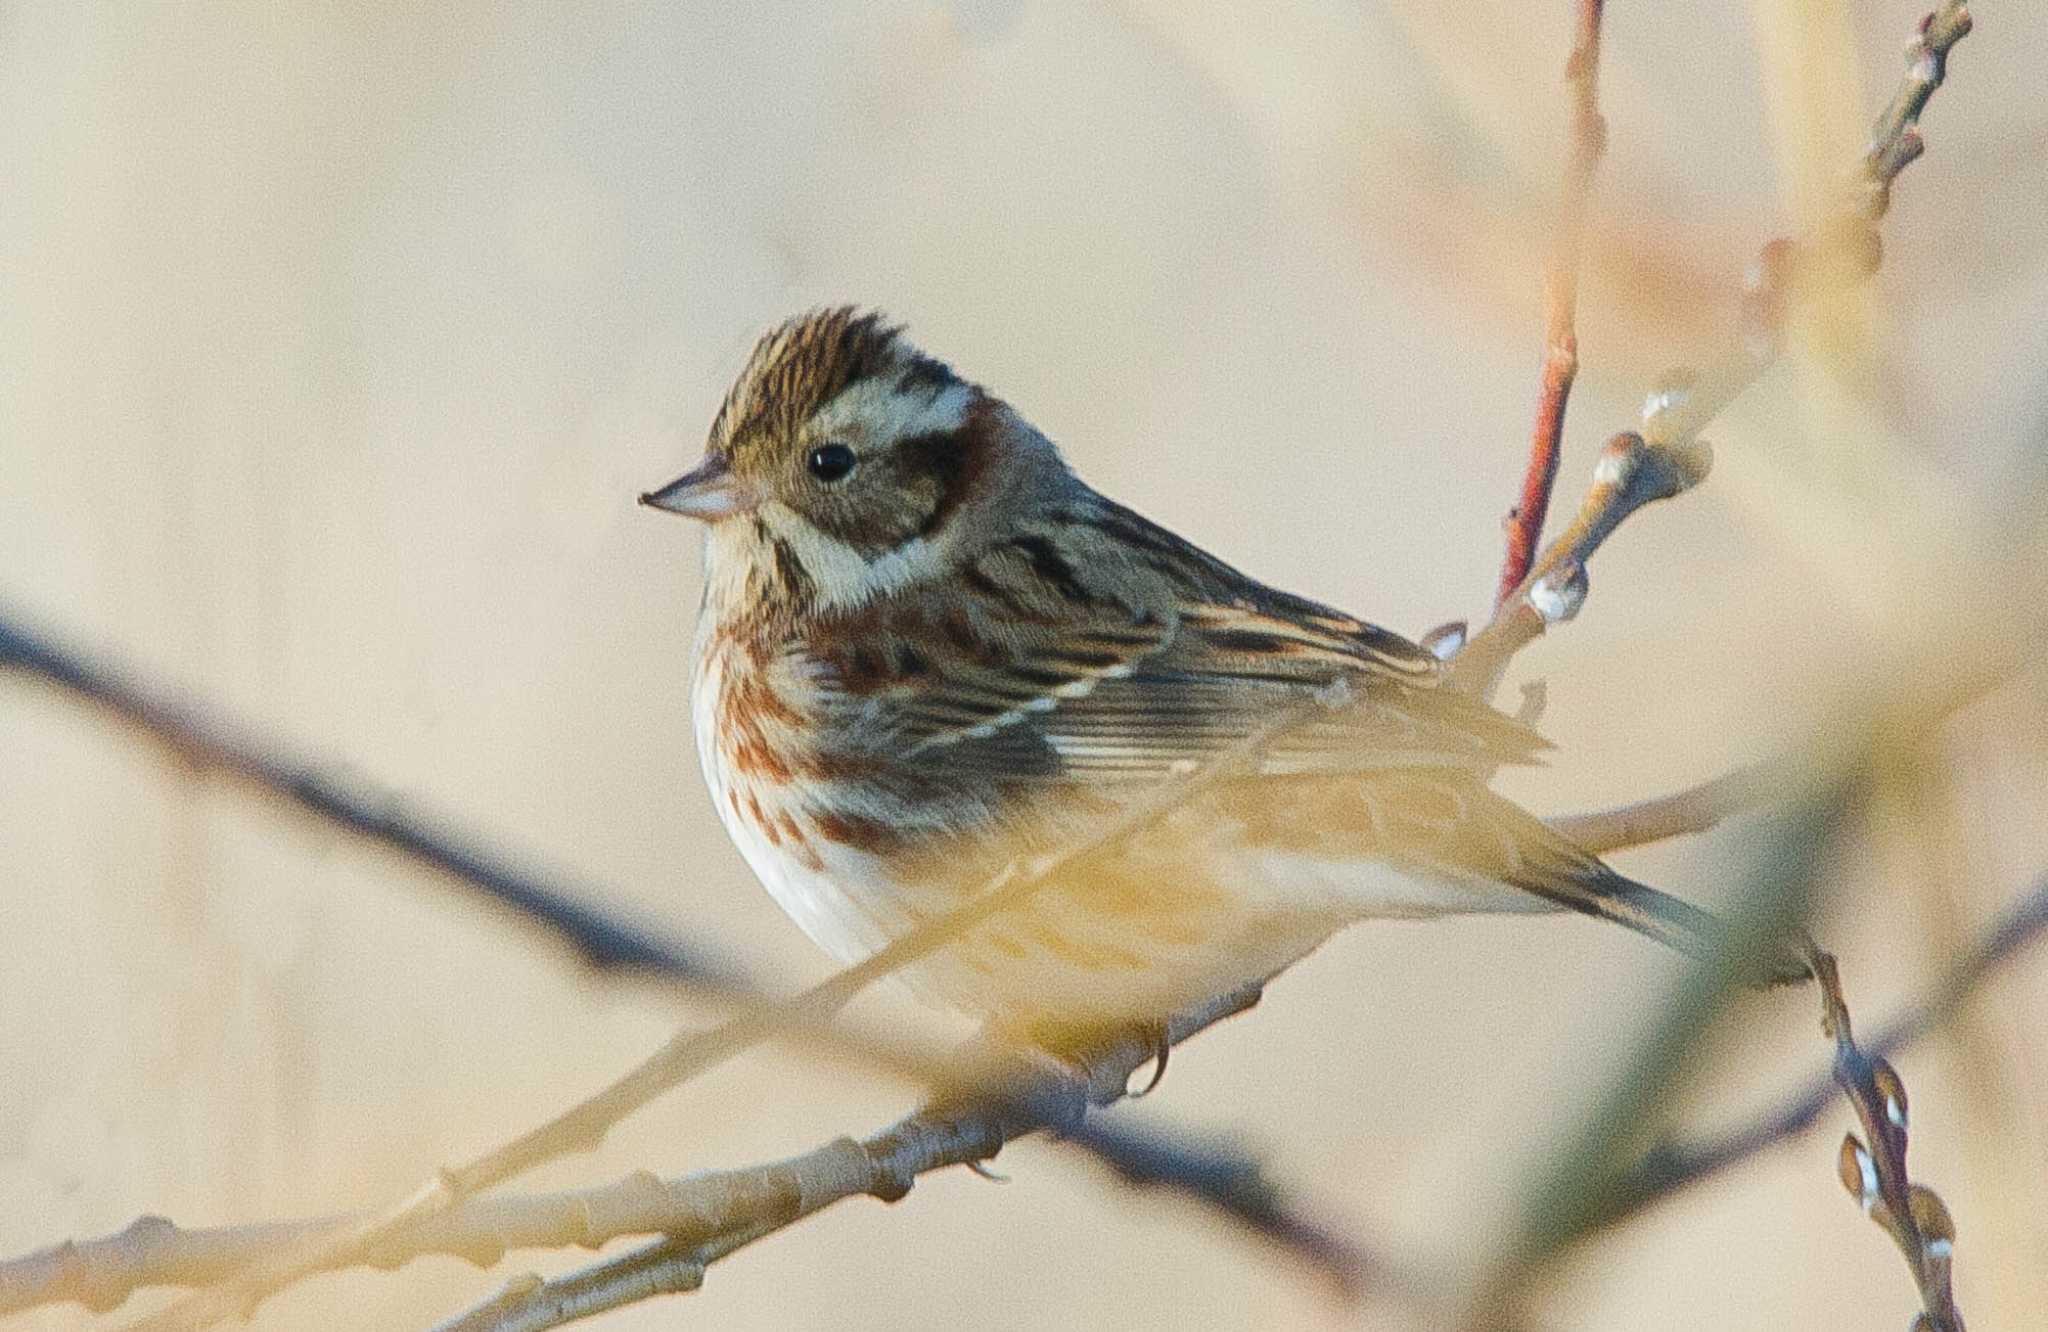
(1875, 1175)
(1674, 1167)
(713, 1207)
(887, 1164)
(100, 1273)
(1693, 810)
(1524, 523)
(691, 1052)
(1668, 457)
(205, 739)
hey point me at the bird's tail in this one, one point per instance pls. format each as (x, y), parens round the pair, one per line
(1543, 861)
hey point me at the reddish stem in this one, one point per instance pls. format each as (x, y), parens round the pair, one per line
(1560, 305)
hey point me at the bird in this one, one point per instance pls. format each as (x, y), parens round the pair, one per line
(927, 648)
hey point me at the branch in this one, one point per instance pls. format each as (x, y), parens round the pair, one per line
(1668, 456)
(100, 1273)
(1875, 1175)
(1693, 810)
(702, 1208)
(886, 1165)
(691, 1052)
(1674, 1167)
(1560, 303)
(208, 740)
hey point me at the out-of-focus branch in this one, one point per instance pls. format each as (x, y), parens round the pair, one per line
(1668, 457)
(713, 1207)
(691, 1052)
(1524, 525)
(885, 1166)
(1673, 1167)
(151, 1251)
(1566, 1191)
(205, 739)
(1693, 810)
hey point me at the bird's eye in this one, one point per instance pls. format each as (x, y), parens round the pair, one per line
(831, 462)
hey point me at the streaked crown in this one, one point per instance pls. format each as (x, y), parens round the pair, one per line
(807, 362)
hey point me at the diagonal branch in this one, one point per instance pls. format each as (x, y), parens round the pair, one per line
(692, 1052)
(1674, 1167)
(1668, 456)
(1524, 524)
(101, 1273)
(701, 1208)
(205, 739)
(885, 1166)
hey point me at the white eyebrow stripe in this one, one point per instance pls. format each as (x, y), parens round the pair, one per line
(884, 413)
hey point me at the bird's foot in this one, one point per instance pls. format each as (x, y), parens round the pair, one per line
(1093, 1054)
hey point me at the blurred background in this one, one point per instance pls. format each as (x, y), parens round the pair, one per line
(337, 341)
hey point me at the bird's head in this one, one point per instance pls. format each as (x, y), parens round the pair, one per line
(845, 464)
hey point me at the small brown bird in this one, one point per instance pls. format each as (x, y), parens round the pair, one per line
(928, 648)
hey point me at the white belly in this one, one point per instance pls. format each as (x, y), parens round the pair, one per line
(837, 896)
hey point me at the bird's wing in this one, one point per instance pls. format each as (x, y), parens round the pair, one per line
(1022, 680)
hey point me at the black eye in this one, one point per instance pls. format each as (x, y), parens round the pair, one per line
(830, 462)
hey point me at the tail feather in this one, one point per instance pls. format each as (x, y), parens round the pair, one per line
(1447, 822)
(1538, 859)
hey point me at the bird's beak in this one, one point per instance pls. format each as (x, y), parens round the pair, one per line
(708, 491)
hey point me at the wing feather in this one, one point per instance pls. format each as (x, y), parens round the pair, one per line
(1102, 676)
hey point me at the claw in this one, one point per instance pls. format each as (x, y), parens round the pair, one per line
(981, 1168)
(1162, 1045)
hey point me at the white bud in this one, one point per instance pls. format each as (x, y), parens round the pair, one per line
(1558, 595)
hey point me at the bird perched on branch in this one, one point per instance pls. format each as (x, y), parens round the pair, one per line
(927, 648)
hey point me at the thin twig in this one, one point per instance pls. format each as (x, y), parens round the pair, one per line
(1847, 248)
(1524, 523)
(202, 738)
(1696, 809)
(1671, 1168)
(1875, 1174)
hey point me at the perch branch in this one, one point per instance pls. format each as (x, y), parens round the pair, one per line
(885, 1166)
(691, 1052)
(205, 739)
(1524, 525)
(102, 1273)
(93, 1272)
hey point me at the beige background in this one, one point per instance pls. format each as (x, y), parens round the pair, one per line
(338, 339)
